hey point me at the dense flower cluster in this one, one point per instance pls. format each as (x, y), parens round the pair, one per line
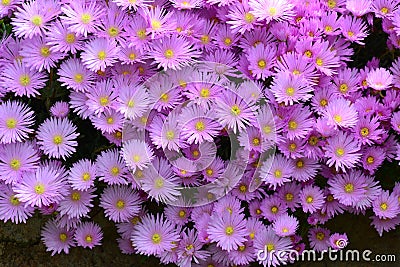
(224, 121)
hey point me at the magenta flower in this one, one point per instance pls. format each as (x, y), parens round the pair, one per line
(88, 235)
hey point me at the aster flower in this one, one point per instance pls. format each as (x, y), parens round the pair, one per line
(76, 204)
(240, 18)
(384, 8)
(163, 93)
(88, 235)
(17, 159)
(285, 225)
(290, 89)
(190, 248)
(372, 158)
(32, 18)
(359, 8)
(261, 60)
(311, 198)
(366, 130)
(279, 10)
(99, 54)
(111, 167)
(74, 75)
(41, 188)
(11, 208)
(272, 207)
(379, 79)
(59, 109)
(354, 29)
(154, 235)
(57, 239)
(82, 174)
(137, 154)
(57, 137)
(227, 230)
(159, 21)
(173, 52)
(120, 203)
(276, 171)
(298, 122)
(108, 122)
(289, 194)
(305, 169)
(342, 151)
(36, 54)
(319, 238)
(21, 80)
(325, 59)
(386, 225)
(60, 39)
(132, 5)
(82, 17)
(15, 122)
(8, 6)
(341, 113)
(386, 205)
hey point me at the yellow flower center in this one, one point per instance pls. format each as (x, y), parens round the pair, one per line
(138, 174)
(292, 147)
(45, 51)
(11, 123)
(86, 18)
(270, 247)
(274, 209)
(115, 171)
(141, 34)
(110, 120)
(24, 80)
(292, 125)
(155, 24)
(136, 158)
(103, 100)
(113, 31)
(278, 173)
(86, 177)
(243, 188)
(14, 200)
(349, 188)
(350, 33)
(267, 129)
(320, 236)
(290, 91)
(289, 197)
(384, 206)
(200, 126)
(319, 61)
(5, 2)
(331, 3)
(309, 199)
(75, 196)
(328, 28)
(229, 230)
(364, 131)
(15, 164)
(159, 183)
(323, 102)
(343, 88)
(248, 17)
(164, 97)
(170, 135)
(37, 20)
(272, 11)
(313, 140)
(227, 41)
(308, 53)
(70, 38)
(384, 10)
(261, 63)
(57, 139)
(63, 237)
(195, 153)
(102, 55)
(120, 204)
(169, 53)
(205, 39)
(339, 152)
(39, 188)
(296, 72)
(370, 159)
(78, 78)
(182, 213)
(204, 92)
(89, 239)
(156, 238)
(235, 110)
(300, 163)
(329, 198)
(337, 118)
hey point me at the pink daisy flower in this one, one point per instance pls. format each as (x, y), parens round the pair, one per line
(57, 137)
(276, 171)
(386, 206)
(11, 208)
(17, 159)
(82, 16)
(88, 235)
(154, 235)
(111, 167)
(319, 238)
(15, 122)
(278, 10)
(108, 122)
(120, 203)
(21, 80)
(60, 39)
(99, 54)
(131, 4)
(341, 113)
(60, 109)
(137, 154)
(74, 75)
(311, 198)
(41, 188)
(82, 174)
(76, 204)
(240, 18)
(354, 29)
(290, 89)
(57, 239)
(285, 225)
(379, 79)
(261, 59)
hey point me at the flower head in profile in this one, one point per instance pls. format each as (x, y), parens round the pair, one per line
(268, 10)
(379, 79)
(57, 137)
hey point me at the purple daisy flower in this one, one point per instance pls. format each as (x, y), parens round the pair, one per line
(21, 80)
(77, 203)
(379, 79)
(311, 198)
(240, 18)
(319, 238)
(60, 109)
(16, 160)
(57, 137)
(133, 103)
(60, 39)
(99, 54)
(341, 113)
(338, 241)
(386, 205)
(298, 122)
(276, 171)
(83, 17)
(279, 10)
(342, 151)
(290, 89)
(261, 60)
(15, 120)
(272, 207)
(372, 158)
(74, 75)
(111, 167)
(120, 203)
(11, 208)
(366, 130)
(285, 225)
(137, 154)
(348, 188)
(154, 235)
(41, 188)
(354, 29)
(108, 122)
(82, 174)
(227, 230)
(88, 235)
(57, 239)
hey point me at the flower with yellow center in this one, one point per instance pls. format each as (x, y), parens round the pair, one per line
(200, 126)
(141, 34)
(113, 31)
(270, 247)
(308, 53)
(320, 236)
(78, 78)
(350, 33)
(300, 163)
(309, 199)
(364, 131)
(5, 2)
(155, 24)
(164, 97)
(289, 197)
(384, 10)
(101, 55)
(24, 80)
(274, 209)
(235, 110)
(229, 230)
(169, 53)
(249, 18)
(37, 20)
(170, 135)
(45, 51)
(88, 238)
(205, 92)
(261, 63)
(319, 61)
(343, 88)
(75, 196)
(63, 237)
(349, 188)
(370, 159)
(11, 123)
(272, 11)
(339, 152)
(57, 139)
(70, 38)
(120, 204)
(267, 129)
(243, 188)
(182, 214)
(86, 18)
(39, 188)
(323, 102)
(292, 125)
(290, 91)
(205, 39)
(227, 41)
(292, 146)
(384, 206)
(337, 118)
(278, 174)
(156, 238)
(328, 28)
(110, 120)
(86, 176)
(158, 183)
(115, 170)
